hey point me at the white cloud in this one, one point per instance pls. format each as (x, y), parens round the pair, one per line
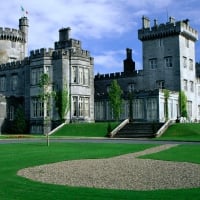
(110, 61)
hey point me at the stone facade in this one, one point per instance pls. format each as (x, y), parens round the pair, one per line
(69, 68)
(168, 63)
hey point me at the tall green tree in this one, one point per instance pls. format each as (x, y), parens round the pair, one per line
(62, 103)
(115, 97)
(183, 104)
(19, 122)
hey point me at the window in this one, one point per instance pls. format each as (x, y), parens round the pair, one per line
(184, 62)
(185, 82)
(14, 82)
(160, 84)
(131, 87)
(80, 106)
(75, 106)
(198, 90)
(36, 75)
(187, 42)
(190, 64)
(3, 83)
(11, 113)
(189, 108)
(153, 63)
(74, 74)
(168, 61)
(81, 75)
(191, 86)
(198, 110)
(37, 108)
(86, 76)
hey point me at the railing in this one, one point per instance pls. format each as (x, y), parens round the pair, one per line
(113, 132)
(164, 128)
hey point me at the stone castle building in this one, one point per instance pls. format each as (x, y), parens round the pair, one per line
(168, 63)
(69, 68)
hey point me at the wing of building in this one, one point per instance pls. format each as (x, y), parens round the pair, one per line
(168, 65)
(69, 69)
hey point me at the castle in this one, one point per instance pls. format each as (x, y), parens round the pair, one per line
(69, 68)
(168, 63)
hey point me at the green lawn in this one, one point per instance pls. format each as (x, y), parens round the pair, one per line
(182, 131)
(98, 129)
(17, 156)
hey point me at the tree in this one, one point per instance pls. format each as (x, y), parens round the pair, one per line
(19, 122)
(183, 104)
(115, 98)
(62, 103)
(45, 97)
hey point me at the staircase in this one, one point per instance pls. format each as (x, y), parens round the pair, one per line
(138, 130)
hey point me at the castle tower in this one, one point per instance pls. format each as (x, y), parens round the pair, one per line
(13, 42)
(168, 53)
(169, 58)
(23, 27)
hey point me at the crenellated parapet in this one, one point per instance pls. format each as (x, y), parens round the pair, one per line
(15, 65)
(43, 52)
(118, 75)
(11, 34)
(164, 30)
(71, 43)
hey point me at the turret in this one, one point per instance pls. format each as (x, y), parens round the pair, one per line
(23, 27)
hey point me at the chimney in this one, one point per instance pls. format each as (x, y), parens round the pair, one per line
(64, 34)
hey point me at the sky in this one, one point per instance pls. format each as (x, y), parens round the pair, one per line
(105, 27)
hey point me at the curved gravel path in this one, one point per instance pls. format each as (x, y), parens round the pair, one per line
(121, 172)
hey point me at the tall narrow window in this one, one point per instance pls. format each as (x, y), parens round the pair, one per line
(190, 64)
(185, 82)
(80, 75)
(187, 42)
(3, 83)
(37, 108)
(74, 74)
(184, 62)
(168, 61)
(14, 82)
(75, 106)
(86, 76)
(191, 86)
(153, 63)
(11, 112)
(36, 75)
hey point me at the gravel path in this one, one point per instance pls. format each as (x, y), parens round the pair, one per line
(121, 172)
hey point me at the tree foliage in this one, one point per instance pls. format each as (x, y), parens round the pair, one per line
(183, 104)
(115, 97)
(62, 103)
(19, 122)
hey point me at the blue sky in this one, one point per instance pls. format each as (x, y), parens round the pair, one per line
(105, 27)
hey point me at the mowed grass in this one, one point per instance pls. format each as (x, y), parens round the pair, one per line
(17, 156)
(98, 129)
(183, 131)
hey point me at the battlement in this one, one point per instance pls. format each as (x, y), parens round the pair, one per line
(11, 34)
(118, 75)
(15, 64)
(68, 44)
(43, 52)
(164, 30)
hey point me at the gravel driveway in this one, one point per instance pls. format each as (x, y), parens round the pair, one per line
(121, 172)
